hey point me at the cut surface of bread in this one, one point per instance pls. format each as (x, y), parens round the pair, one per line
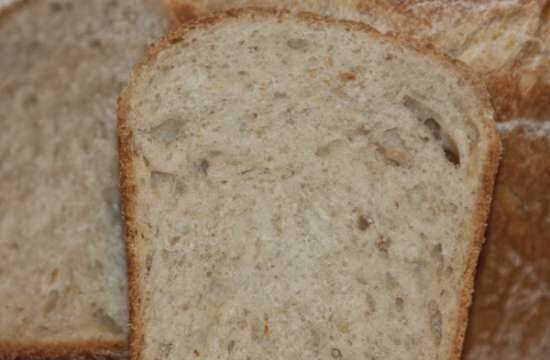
(510, 317)
(505, 41)
(63, 275)
(298, 187)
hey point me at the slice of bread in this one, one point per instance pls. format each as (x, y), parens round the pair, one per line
(297, 187)
(62, 271)
(506, 41)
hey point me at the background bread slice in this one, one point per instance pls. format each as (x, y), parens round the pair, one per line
(511, 311)
(62, 276)
(384, 160)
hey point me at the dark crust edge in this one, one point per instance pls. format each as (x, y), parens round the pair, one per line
(127, 193)
(128, 183)
(63, 350)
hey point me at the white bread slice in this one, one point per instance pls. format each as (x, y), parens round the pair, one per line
(508, 43)
(62, 270)
(505, 41)
(296, 187)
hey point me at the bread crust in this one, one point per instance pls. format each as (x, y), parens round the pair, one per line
(9, 9)
(63, 350)
(128, 181)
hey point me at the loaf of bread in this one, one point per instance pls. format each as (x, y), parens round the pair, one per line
(62, 270)
(510, 317)
(296, 188)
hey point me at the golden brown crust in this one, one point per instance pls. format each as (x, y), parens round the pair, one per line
(128, 185)
(127, 189)
(63, 350)
(182, 12)
(9, 9)
(520, 94)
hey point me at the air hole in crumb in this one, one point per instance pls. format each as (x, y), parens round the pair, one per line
(391, 282)
(231, 346)
(436, 321)
(429, 118)
(399, 303)
(437, 255)
(148, 263)
(371, 304)
(448, 144)
(55, 7)
(30, 99)
(335, 353)
(330, 148)
(298, 44)
(280, 95)
(165, 349)
(163, 182)
(95, 43)
(168, 131)
(107, 322)
(204, 165)
(51, 303)
(393, 148)
(363, 223)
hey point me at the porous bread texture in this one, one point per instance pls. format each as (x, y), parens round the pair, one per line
(505, 41)
(63, 285)
(510, 315)
(297, 187)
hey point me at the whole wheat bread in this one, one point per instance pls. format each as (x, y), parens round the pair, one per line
(298, 187)
(507, 42)
(63, 284)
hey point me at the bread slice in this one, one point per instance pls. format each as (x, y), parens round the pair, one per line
(505, 41)
(297, 187)
(63, 284)
(508, 43)
(510, 317)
